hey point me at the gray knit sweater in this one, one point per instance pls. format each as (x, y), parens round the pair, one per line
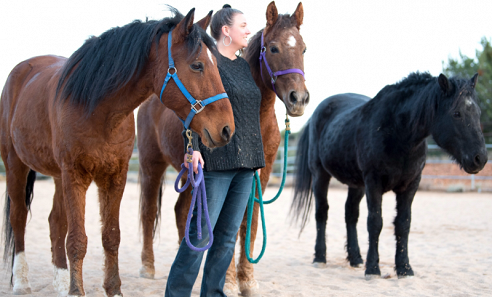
(246, 148)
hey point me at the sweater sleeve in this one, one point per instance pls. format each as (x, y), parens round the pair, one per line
(195, 141)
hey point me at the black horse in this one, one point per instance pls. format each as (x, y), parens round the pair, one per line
(378, 145)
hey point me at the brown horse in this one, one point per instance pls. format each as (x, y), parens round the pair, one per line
(73, 119)
(160, 142)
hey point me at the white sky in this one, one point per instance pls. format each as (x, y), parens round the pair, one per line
(352, 46)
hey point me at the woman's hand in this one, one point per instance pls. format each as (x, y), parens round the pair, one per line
(259, 172)
(197, 157)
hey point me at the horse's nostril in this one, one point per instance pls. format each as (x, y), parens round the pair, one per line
(226, 133)
(306, 101)
(477, 160)
(293, 97)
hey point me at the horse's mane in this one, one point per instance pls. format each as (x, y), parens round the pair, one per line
(252, 52)
(420, 95)
(105, 64)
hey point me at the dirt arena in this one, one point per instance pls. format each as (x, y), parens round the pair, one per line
(450, 248)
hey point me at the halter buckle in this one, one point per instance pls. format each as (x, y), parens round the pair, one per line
(274, 79)
(198, 102)
(169, 69)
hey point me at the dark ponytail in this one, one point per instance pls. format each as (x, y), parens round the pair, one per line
(222, 18)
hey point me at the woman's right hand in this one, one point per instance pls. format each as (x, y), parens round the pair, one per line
(197, 157)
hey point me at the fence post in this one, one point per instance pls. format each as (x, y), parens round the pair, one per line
(473, 182)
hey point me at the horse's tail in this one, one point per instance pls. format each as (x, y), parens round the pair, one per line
(303, 195)
(8, 233)
(159, 204)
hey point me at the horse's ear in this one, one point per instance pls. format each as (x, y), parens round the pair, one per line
(298, 16)
(203, 23)
(444, 83)
(271, 14)
(184, 27)
(474, 80)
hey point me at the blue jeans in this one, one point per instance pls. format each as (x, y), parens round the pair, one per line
(227, 198)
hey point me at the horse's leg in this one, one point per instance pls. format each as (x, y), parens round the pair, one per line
(321, 180)
(110, 193)
(374, 197)
(181, 209)
(16, 173)
(248, 286)
(402, 229)
(150, 181)
(231, 287)
(75, 185)
(351, 217)
(58, 233)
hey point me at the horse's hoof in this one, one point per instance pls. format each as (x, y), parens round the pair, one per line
(404, 276)
(250, 289)
(231, 290)
(147, 272)
(22, 291)
(357, 263)
(61, 281)
(319, 265)
(372, 276)
(20, 272)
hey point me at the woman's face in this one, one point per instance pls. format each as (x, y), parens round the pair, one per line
(238, 32)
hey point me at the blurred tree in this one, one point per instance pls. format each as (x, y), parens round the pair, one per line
(466, 67)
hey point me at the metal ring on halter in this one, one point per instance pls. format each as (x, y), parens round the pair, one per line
(175, 70)
(263, 49)
(197, 110)
(274, 79)
(223, 40)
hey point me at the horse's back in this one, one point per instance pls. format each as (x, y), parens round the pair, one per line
(30, 80)
(26, 99)
(334, 107)
(334, 125)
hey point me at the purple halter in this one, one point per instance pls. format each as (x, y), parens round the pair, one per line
(274, 75)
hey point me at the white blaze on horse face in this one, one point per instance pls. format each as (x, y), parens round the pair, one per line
(20, 272)
(210, 55)
(292, 41)
(468, 102)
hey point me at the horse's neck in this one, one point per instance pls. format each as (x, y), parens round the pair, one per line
(118, 108)
(267, 109)
(414, 128)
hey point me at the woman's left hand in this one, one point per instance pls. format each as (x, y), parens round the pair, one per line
(259, 171)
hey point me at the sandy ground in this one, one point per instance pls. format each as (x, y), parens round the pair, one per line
(450, 248)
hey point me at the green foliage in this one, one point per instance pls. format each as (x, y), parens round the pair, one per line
(466, 67)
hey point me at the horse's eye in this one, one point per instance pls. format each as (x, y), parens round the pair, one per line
(198, 66)
(457, 114)
(274, 50)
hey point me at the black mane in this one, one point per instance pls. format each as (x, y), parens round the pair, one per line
(105, 64)
(252, 52)
(417, 97)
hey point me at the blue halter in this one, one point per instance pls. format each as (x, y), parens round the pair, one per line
(196, 105)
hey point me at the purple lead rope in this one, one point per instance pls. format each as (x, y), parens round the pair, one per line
(199, 192)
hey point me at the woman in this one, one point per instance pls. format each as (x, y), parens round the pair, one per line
(228, 170)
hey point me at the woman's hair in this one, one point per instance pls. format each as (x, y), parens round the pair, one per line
(221, 18)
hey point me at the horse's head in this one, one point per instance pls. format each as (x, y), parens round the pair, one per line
(193, 52)
(284, 49)
(457, 123)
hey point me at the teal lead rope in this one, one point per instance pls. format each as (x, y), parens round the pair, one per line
(259, 200)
